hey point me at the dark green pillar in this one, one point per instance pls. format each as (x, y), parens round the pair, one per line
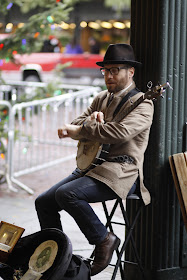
(159, 38)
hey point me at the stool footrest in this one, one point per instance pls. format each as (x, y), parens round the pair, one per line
(118, 223)
(125, 262)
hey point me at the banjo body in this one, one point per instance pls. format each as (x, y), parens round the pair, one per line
(90, 154)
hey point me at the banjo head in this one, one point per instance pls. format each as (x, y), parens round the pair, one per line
(87, 154)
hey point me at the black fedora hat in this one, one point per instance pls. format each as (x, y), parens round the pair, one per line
(119, 54)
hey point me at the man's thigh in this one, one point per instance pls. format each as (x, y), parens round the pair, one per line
(48, 196)
(89, 189)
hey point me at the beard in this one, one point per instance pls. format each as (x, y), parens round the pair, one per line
(113, 88)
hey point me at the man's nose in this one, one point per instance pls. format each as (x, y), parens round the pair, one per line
(108, 73)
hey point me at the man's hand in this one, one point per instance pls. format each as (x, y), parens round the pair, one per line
(98, 116)
(69, 130)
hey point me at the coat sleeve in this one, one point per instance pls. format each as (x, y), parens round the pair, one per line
(84, 117)
(112, 132)
(95, 106)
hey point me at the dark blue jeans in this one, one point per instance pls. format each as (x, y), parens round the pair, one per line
(73, 194)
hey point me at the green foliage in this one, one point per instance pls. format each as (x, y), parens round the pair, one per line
(3, 129)
(52, 89)
(30, 37)
(27, 5)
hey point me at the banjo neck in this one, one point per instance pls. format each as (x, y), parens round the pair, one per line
(151, 94)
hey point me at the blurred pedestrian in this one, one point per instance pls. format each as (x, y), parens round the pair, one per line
(73, 48)
(94, 45)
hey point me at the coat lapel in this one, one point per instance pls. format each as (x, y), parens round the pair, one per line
(111, 108)
(104, 103)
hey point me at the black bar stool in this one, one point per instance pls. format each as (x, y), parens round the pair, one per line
(120, 264)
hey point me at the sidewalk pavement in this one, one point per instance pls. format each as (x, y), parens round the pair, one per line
(18, 208)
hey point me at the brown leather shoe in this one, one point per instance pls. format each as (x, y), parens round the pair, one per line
(104, 252)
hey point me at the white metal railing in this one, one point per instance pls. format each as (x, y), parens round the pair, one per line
(14, 89)
(33, 142)
(4, 162)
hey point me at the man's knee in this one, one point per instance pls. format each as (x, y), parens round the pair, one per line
(39, 202)
(64, 198)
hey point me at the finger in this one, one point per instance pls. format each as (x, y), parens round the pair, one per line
(65, 136)
(94, 115)
(100, 117)
(62, 133)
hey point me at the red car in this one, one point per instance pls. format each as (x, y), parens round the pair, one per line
(40, 66)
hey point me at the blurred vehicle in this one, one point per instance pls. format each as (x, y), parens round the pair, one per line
(38, 67)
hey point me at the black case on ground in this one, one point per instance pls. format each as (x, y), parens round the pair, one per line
(65, 267)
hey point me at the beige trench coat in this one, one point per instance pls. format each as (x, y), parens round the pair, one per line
(128, 136)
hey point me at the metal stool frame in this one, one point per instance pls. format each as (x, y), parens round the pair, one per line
(129, 237)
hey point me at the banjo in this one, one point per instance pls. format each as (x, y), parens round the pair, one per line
(91, 153)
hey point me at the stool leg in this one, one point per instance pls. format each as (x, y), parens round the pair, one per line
(122, 272)
(109, 216)
(121, 252)
(130, 236)
(109, 225)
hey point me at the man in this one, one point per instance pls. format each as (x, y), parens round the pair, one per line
(117, 176)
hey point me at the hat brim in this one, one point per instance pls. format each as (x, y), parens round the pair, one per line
(129, 62)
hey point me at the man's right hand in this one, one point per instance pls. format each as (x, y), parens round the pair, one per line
(98, 116)
(69, 130)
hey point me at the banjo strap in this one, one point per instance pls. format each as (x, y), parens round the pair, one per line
(124, 99)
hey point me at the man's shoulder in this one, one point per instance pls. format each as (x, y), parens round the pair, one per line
(142, 102)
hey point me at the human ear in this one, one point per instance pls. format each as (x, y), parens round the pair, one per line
(131, 72)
